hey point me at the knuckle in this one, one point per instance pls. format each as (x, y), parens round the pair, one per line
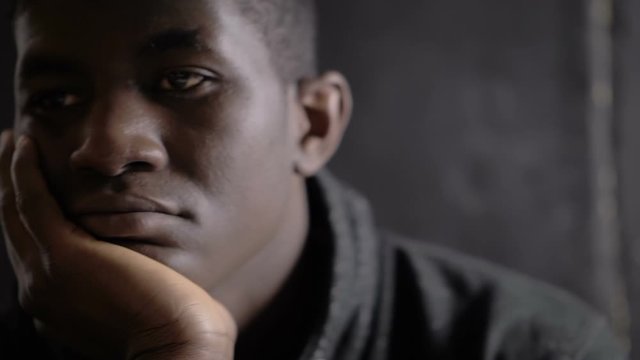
(33, 295)
(26, 204)
(36, 288)
(27, 302)
(22, 201)
(43, 280)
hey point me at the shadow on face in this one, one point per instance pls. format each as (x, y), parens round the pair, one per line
(162, 126)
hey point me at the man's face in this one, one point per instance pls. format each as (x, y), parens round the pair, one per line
(161, 125)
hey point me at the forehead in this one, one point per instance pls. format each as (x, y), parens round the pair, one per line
(80, 26)
(75, 18)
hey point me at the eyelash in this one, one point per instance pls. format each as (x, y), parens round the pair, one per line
(184, 75)
(166, 84)
(43, 101)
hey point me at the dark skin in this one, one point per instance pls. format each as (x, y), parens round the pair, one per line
(154, 204)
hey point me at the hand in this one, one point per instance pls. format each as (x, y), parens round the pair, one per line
(100, 299)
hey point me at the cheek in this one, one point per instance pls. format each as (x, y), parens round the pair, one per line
(245, 165)
(263, 156)
(244, 173)
(55, 139)
(241, 140)
(54, 152)
(244, 194)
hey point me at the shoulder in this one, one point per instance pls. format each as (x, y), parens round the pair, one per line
(464, 307)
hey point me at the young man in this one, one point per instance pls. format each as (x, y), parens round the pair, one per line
(163, 198)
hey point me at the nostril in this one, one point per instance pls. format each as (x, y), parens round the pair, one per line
(114, 155)
(139, 166)
(108, 166)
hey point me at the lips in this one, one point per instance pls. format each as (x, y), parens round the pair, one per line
(113, 204)
(129, 219)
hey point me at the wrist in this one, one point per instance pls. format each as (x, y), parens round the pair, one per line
(197, 334)
(183, 351)
(200, 347)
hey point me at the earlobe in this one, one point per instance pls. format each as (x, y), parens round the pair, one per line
(326, 102)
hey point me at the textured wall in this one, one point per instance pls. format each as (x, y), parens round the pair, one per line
(627, 75)
(470, 125)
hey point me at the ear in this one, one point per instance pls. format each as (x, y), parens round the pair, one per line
(326, 104)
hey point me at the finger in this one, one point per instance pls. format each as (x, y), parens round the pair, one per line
(37, 208)
(20, 245)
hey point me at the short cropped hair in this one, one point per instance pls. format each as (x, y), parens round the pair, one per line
(288, 28)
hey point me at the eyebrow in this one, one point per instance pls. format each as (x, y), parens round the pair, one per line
(43, 65)
(174, 39)
(35, 65)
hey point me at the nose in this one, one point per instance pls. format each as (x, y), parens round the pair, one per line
(119, 136)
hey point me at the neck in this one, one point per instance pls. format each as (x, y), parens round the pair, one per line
(260, 279)
(283, 328)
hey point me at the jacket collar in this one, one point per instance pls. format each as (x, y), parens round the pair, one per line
(346, 324)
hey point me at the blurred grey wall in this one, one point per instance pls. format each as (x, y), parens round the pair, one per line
(627, 120)
(469, 126)
(489, 127)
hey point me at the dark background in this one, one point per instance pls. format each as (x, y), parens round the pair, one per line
(504, 128)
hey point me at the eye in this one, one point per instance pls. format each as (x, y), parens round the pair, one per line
(53, 100)
(183, 80)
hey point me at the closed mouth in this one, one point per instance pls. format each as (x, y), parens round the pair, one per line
(125, 204)
(152, 228)
(128, 220)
